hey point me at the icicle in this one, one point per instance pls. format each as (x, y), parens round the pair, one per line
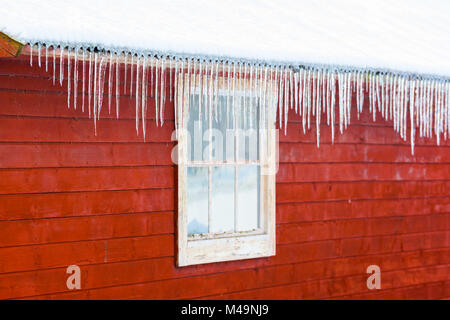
(189, 85)
(291, 90)
(156, 93)
(183, 96)
(68, 78)
(323, 101)
(341, 93)
(175, 104)
(421, 106)
(304, 97)
(216, 88)
(54, 65)
(349, 97)
(39, 54)
(385, 97)
(328, 103)
(137, 94)
(117, 85)
(245, 93)
(447, 110)
(318, 76)
(228, 93)
(253, 103)
(234, 111)
(430, 109)
(411, 114)
(286, 102)
(223, 75)
(416, 101)
(61, 66)
(95, 92)
(332, 106)
(310, 96)
(144, 94)
(110, 80)
(46, 58)
(377, 91)
(405, 107)
(264, 105)
(280, 107)
(101, 83)
(125, 62)
(314, 91)
(90, 82)
(358, 75)
(31, 55)
(152, 71)
(75, 79)
(394, 101)
(200, 93)
(84, 77)
(131, 75)
(271, 111)
(163, 92)
(296, 84)
(170, 78)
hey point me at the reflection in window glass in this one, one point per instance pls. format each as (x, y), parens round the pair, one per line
(248, 198)
(197, 128)
(223, 132)
(197, 200)
(248, 125)
(222, 202)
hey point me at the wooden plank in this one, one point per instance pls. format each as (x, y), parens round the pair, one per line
(9, 47)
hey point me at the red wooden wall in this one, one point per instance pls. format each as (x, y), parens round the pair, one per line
(107, 204)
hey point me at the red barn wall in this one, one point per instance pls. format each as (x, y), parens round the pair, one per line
(107, 204)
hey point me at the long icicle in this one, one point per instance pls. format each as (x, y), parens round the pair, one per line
(84, 79)
(156, 93)
(54, 65)
(163, 92)
(138, 58)
(95, 91)
(75, 78)
(68, 78)
(90, 82)
(110, 80)
(46, 58)
(61, 66)
(144, 94)
(117, 86)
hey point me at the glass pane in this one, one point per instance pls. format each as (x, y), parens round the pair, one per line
(248, 125)
(223, 131)
(248, 198)
(222, 203)
(197, 128)
(197, 200)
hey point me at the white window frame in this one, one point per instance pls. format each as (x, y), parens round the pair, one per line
(199, 249)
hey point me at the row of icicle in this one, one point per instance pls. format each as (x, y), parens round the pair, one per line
(420, 103)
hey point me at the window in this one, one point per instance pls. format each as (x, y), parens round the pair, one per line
(226, 170)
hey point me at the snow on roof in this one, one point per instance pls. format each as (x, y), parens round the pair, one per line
(402, 35)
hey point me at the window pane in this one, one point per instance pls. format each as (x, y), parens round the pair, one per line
(197, 200)
(197, 128)
(223, 131)
(248, 125)
(248, 198)
(222, 203)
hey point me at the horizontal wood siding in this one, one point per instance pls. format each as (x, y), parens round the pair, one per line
(108, 204)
